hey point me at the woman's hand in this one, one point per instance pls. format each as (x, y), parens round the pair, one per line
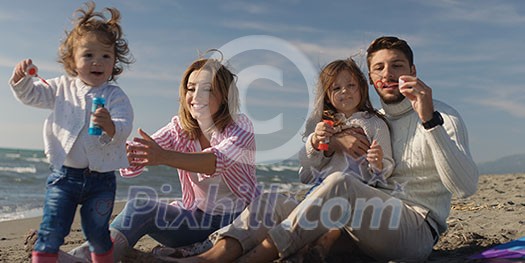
(145, 152)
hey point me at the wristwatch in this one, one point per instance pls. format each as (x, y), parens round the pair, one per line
(435, 121)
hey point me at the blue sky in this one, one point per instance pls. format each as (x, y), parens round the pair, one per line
(469, 52)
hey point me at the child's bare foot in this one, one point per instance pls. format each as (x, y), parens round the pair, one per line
(314, 254)
(316, 251)
(181, 260)
(319, 250)
(183, 252)
(326, 241)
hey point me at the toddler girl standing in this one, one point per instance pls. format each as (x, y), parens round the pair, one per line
(83, 165)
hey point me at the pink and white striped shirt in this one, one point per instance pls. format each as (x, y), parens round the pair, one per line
(234, 149)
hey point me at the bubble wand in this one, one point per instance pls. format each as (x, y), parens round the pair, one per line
(379, 84)
(323, 146)
(32, 71)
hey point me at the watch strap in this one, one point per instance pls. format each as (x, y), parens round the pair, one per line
(436, 120)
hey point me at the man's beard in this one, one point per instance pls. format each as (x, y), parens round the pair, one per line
(396, 98)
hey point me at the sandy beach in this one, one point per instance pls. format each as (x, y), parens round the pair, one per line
(494, 215)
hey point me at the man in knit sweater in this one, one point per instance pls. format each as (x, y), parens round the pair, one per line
(402, 217)
(430, 150)
(429, 138)
(431, 154)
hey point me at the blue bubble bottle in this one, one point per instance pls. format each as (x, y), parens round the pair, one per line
(93, 128)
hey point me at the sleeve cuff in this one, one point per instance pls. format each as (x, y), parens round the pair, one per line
(104, 139)
(219, 163)
(310, 149)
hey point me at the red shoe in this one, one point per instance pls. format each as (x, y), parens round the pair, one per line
(42, 257)
(103, 258)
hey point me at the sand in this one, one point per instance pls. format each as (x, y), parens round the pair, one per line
(494, 215)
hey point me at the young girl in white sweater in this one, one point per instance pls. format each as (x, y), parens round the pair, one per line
(342, 98)
(83, 165)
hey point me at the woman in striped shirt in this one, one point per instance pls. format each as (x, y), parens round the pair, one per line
(213, 148)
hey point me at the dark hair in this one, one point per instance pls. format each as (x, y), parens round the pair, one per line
(389, 42)
(107, 31)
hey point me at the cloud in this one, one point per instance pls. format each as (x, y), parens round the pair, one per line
(247, 7)
(454, 58)
(256, 85)
(155, 74)
(49, 66)
(486, 12)
(7, 62)
(274, 28)
(512, 107)
(276, 103)
(328, 52)
(9, 16)
(147, 7)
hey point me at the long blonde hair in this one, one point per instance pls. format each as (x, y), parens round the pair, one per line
(223, 82)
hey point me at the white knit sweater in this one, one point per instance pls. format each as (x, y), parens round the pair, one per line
(374, 128)
(69, 100)
(430, 165)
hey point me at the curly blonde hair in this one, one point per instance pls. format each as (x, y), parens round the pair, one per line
(107, 31)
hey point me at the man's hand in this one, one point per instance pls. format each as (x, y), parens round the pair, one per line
(419, 94)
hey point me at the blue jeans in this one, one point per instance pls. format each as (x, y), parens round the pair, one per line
(169, 225)
(66, 188)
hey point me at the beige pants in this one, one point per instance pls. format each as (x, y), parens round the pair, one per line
(379, 224)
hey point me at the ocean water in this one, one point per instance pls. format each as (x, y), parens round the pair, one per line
(23, 175)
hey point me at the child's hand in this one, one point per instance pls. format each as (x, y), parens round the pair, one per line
(351, 141)
(102, 118)
(374, 156)
(20, 70)
(322, 133)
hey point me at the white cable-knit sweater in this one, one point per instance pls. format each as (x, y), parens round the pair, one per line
(430, 165)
